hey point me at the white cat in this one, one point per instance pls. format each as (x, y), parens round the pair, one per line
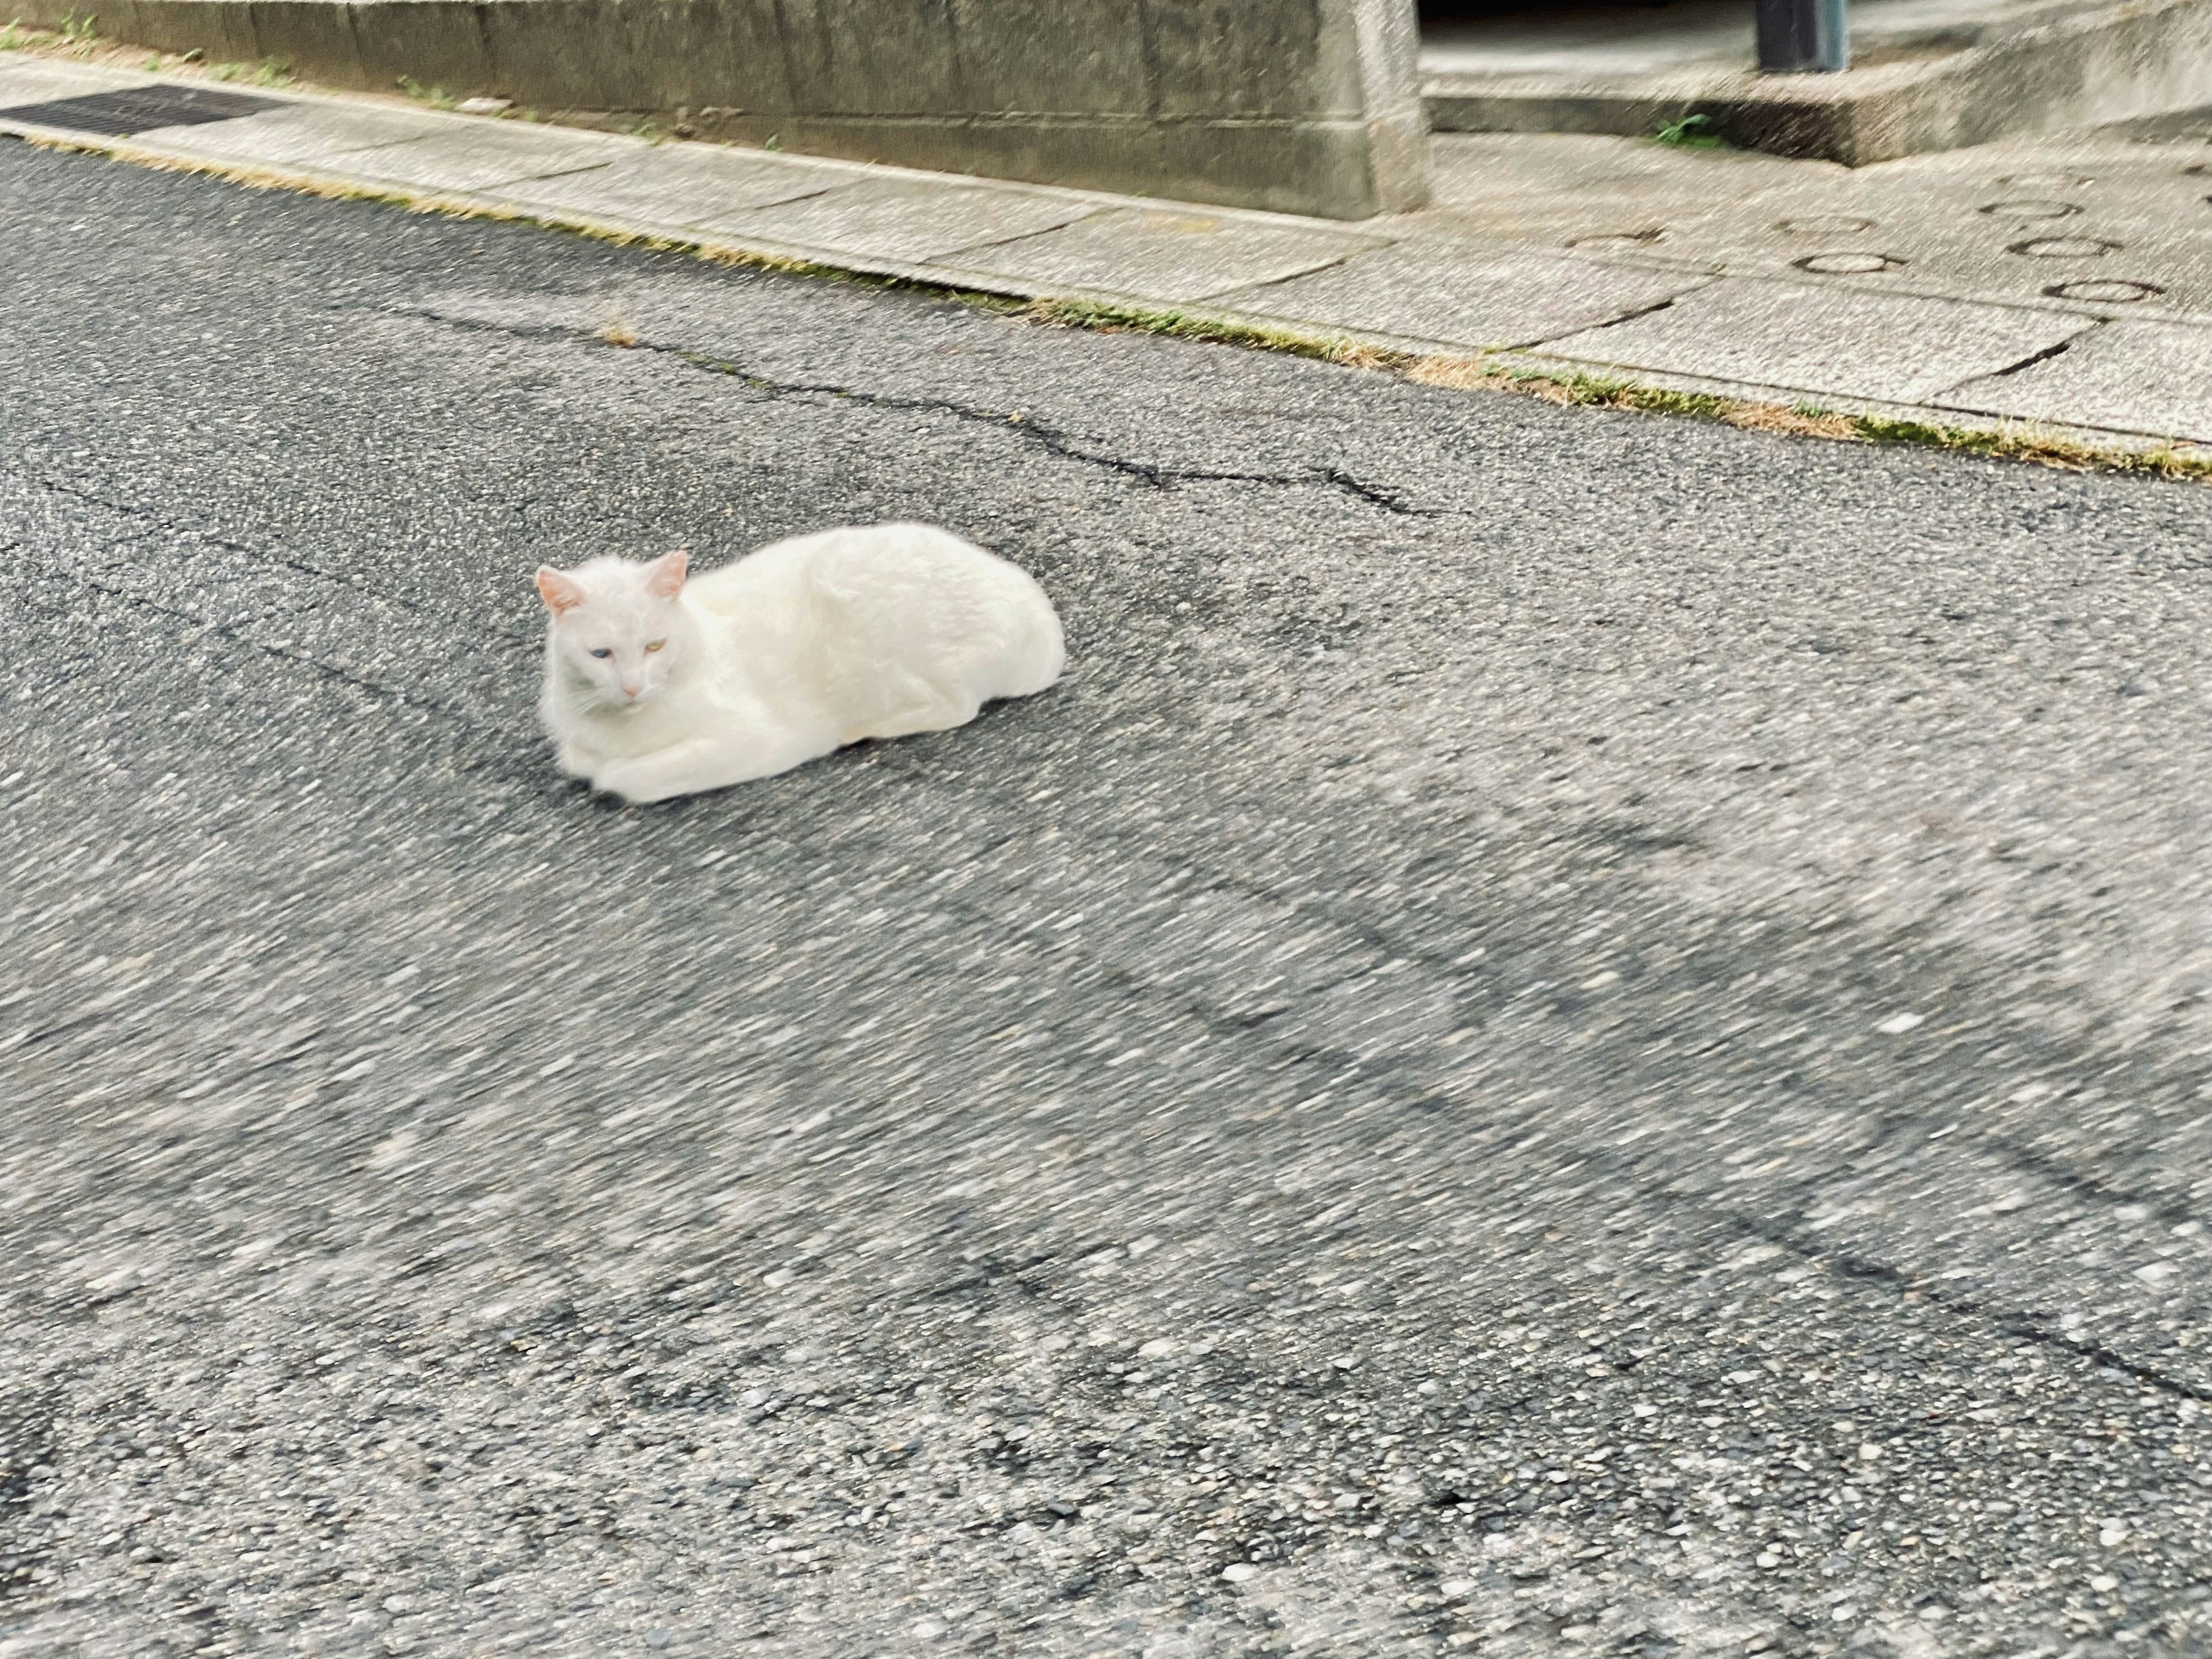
(655, 686)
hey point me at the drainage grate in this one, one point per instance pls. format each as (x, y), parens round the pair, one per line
(141, 109)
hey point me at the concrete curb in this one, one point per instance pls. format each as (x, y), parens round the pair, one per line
(2117, 62)
(389, 139)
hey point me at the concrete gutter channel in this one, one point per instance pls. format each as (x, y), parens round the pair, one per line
(1697, 315)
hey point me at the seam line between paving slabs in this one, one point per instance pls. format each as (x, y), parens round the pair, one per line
(1344, 259)
(1017, 236)
(176, 154)
(1652, 309)
(2059, 350)
(1933, 402)
(1510, 359)
(2027, 362)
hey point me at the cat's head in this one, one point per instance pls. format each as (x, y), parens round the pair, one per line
(617, 632)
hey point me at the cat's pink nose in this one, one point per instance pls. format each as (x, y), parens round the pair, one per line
(632, 691)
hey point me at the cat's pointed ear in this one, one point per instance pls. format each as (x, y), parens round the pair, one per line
(560, 591)
(664, 577)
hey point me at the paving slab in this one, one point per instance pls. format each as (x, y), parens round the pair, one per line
(35, 80)
(2004, 226)
(684, 186)
(2150, 378)
(1468, 297)
(485, 157)
(2004, 221)
(904, 219)
(1166, 253)
(308, 133)
(1895, 349)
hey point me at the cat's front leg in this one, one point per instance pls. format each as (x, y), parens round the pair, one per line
(666, 772)
(686, 768)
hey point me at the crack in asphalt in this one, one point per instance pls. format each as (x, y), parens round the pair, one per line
(259, 554)
(1053, 440)
(284, 654)
(1392, 1077)
(2024, 1325)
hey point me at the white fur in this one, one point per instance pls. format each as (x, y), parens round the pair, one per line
(809, 644)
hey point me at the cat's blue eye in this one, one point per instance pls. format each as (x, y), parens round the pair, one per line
(603, 652)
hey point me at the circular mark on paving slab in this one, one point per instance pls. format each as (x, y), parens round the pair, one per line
(1621, 238)
(1825, 224)
(1846, 264)
(2063, 247)
(2025, 210)
(2104, 293)
(2044, 181)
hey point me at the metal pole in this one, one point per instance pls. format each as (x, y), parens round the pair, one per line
(1798, 36)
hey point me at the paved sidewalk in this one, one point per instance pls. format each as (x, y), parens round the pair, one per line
(2066, 284)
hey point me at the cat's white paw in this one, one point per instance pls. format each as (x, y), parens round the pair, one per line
(639, 782)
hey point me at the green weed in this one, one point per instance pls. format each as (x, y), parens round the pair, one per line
(1691, 132)
(436, 97)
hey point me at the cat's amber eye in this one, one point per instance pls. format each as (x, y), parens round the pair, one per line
(656, 645)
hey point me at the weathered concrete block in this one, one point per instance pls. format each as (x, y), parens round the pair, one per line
(854, 57)
(314, 37)
(224, 31)
(1226, 59)
(1017, 56)
(637, 55)
(436, 42)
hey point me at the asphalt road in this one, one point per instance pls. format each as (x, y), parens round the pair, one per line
(1576, 1034)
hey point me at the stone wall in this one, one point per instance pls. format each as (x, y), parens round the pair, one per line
(1301, 106)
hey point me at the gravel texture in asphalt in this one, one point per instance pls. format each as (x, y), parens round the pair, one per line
(1576, 1033)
